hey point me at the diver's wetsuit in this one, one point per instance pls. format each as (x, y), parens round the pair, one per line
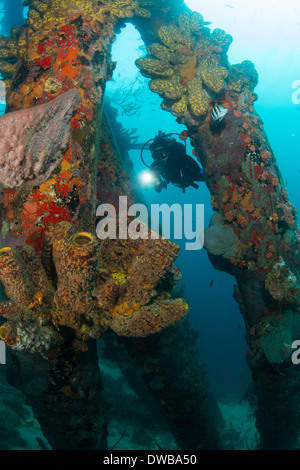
(172, 164)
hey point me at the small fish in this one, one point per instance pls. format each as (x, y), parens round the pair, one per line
(211, 283)
(217, 114)
(206, 23)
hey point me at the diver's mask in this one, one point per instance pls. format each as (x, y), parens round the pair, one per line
(160, 154)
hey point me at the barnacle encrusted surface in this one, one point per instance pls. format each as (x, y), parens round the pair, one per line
(187, 66)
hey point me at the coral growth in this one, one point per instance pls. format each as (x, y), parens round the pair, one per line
(187, 66)
(219, 239)
(282, 284)
(276, 335)
(112, 179)
(243, 76)
(33, 141)
(249, 192)
(48, 11)
(11, 52)
(66, 47)
(118, 284)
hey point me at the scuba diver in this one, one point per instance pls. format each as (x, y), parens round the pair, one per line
(171, 164)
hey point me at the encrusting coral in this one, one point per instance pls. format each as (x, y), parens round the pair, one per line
(112, 179)
(219, 239)
(64, 45)
(61, 63)
(67, 46)
(117, 284)
(273, 336)
(83, 287)
(254, 234)
(11, 52)
(35, 45)
(282, 284)
(187, 69)
(63, 287)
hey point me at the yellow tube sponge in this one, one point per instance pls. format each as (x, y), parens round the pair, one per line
(59, 239)
(9, 310)
(75, 275)
(117, 284)
(26, 285)
(8, 334)
(13, 277)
